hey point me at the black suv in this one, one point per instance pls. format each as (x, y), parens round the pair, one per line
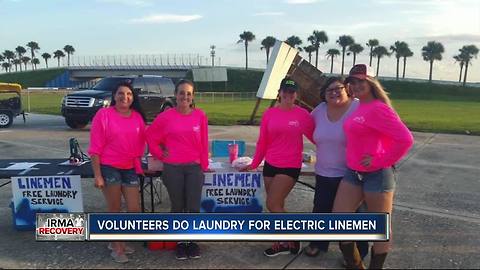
(156, 94)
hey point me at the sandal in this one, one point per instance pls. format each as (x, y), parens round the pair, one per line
(311, 251)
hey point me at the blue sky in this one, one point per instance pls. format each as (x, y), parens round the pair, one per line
(114, 27)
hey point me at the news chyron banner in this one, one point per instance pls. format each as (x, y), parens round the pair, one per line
(213, 226)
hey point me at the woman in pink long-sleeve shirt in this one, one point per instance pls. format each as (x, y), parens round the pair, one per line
(280, 143)
(376, 140)
(117, 142)
(179, 138)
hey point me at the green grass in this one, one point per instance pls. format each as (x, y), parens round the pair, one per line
(457, 117)
(43, 102)
(27, 79)
(232, 113)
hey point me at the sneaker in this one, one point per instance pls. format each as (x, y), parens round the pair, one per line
(181, 253)
(119, 258)
(193, 251)
(128, 249)
(277, 249)
(295, 247)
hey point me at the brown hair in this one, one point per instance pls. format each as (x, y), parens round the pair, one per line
(378, 91)
(184, 81)
(327, 83)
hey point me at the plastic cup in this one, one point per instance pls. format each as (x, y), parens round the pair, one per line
(233, 151)
(170, 245)
(156, 245)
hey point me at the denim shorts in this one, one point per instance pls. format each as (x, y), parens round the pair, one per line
(114, 176)
(382, 180)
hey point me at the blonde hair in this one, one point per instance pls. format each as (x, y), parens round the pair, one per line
(378, 91)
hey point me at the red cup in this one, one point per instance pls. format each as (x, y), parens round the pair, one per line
(233, 151)
(155, 245)
(170, 245)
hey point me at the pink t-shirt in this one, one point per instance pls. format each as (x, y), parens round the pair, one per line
(118, 140)
(281, 137)
(185, 137)
(375, 129)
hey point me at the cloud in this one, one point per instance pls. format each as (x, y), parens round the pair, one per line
(140, 3)
(165, 18)
(471, 38)
(296, 2)
(365, 25)
(269, 14)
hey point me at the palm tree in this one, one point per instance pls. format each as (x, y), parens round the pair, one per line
(46, 56)
(468, 52)
(372, 43)
(316, 38)
(267, 44)
(58, 54)
(69, 50)
(431, 52)
(35, 62)
(399, 49)
(344, 41)
(355, 49)
(459, 58)
(17, 62)
(380, 52)
(309, 49)
(406, 53)
(6, 66)
(332, 53)
(295, 42)
(20, 51)
(25, 60)
(246, 37)
(33, 47)
(9, 55)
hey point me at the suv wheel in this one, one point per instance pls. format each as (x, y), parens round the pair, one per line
(6, 119)
(75, 123)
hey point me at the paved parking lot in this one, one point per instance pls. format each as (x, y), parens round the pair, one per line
(436, 219)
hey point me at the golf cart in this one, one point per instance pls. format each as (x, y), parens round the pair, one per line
(10, 103)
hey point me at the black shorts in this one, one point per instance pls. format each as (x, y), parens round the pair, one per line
(271, 171)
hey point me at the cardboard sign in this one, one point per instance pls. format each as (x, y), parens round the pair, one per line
(44, 194)
(281, 59)
(233, 192)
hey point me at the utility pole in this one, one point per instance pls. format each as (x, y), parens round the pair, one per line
(212, 54)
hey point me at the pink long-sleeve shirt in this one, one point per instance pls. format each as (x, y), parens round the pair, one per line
(281, 137)
(185, 137)
(118, 140)
(375, 129)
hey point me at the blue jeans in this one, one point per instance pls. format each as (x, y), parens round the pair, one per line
(325, 191)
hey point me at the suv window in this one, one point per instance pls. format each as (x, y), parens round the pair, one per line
(167, 87)
(109, 84)
(152, 85)
(139, 83)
